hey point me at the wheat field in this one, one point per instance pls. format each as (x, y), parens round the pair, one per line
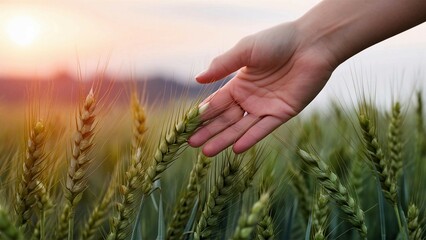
(95, 170)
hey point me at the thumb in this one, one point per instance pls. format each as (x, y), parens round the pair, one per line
(227, 63)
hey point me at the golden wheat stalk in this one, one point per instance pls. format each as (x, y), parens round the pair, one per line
(76, 181)
(139, 128)
(31, 173)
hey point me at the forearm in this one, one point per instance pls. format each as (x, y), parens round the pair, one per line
(346, 27)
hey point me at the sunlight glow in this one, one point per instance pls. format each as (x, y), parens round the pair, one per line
(22, 30)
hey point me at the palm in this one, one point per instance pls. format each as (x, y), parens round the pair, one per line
(276, 84)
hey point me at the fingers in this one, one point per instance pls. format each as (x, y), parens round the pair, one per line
(256, 133)
(229, 135)
(227, 63)
(243, 134)
(226, 119)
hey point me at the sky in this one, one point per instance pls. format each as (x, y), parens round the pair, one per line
(169, 37)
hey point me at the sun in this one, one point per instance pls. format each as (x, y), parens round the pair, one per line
(22, 30)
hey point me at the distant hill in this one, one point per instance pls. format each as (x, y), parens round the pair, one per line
(65, 89)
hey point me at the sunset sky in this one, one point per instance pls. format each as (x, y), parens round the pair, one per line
(175, 38)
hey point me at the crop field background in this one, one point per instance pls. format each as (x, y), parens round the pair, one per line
(100, 169)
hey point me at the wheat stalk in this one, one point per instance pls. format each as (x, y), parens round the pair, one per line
(186, 202)
(76, 181)
(99, 213)
(63, 223)
(246, 224)
(320, 214)
(376, 156)
(265, 227)
(222, 192)
(31, 171)
(357, 175)
(302, 191)
(395, 141)
(43, 203)
(414, 228)
(137, 178)
(170, 144)
(331, 183)
(7, 229)
(139, 129)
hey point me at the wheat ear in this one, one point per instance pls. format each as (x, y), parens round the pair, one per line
(222, 192)
(331, 183)
(7, 228)
(43, 203)
(302, 191)
(136, 178)
(414, 228)
(63, 222)
(186, 202)
(31, 171)
(265, 227)
(139, 128)
(99, 213)
(170, 144)
(420, 147)
(320, 214)
(357, 175)
(246, 224)
(395, 141)
(82, 144)
(376, 156)
(139, 121)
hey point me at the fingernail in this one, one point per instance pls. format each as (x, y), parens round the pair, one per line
(200, 74)
(202, 107)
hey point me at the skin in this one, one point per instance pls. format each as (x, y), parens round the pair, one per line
(283, 68)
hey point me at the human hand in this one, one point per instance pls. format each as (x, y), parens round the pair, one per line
(280, 72)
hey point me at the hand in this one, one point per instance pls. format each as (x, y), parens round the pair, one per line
(280, 72)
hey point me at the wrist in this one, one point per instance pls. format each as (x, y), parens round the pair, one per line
(325, 35)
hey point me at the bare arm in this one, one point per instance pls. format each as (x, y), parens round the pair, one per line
(348, 27)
